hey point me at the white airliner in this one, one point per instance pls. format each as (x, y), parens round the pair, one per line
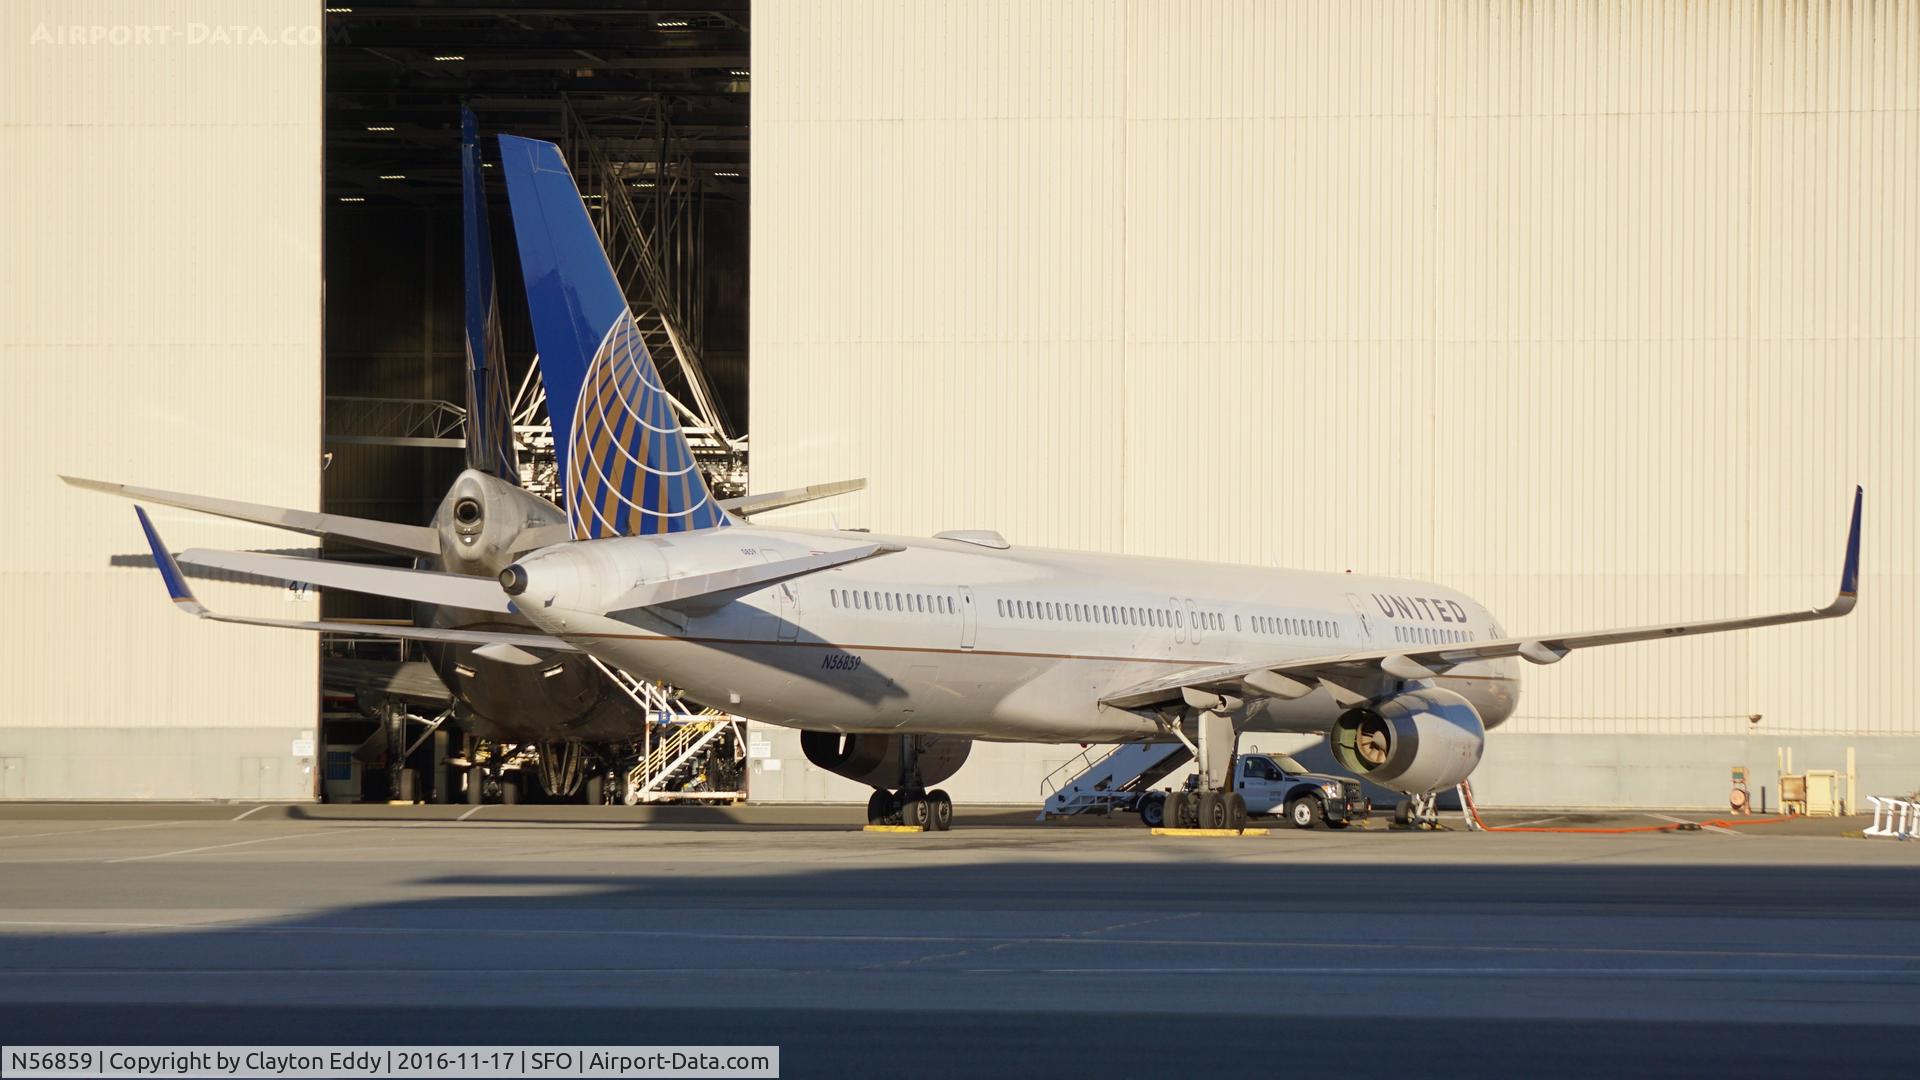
(892, 654)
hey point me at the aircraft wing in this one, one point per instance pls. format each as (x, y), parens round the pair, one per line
(1287, 679)
(749, 505)
(381, 535)
(184, 599)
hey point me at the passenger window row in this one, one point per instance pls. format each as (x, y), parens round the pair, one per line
(1430, 635)
(1280, 625)
(1098, 614)
(1159, 618)
(907, 603)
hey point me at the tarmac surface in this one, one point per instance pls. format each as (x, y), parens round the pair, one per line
(999, 949)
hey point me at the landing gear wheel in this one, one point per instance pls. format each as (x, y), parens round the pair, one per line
(509, 791)
(1403, 812)
(1302, 813)
(1213, 810)
(1236, 811)
(914, 811)
(1153, 811)
(939, 810)
(1175, 811)
(879, 807)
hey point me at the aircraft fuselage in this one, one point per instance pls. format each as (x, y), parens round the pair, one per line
(952, 637)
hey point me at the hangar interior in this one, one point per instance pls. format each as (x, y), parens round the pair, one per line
(650, 103)
(1594, 313)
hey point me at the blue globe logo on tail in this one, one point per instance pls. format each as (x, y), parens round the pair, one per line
(624, 462)
(629, 470)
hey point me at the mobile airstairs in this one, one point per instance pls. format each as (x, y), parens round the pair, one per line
(677, 746)
(1104, 779)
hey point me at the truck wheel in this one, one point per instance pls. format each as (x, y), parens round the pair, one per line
(1303, 813)
(1153, 812)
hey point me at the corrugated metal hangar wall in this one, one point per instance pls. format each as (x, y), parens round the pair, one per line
(160, 321)
(1595, 310)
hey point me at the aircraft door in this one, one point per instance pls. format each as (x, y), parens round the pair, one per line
(1193, 622)
(966, 617)
(1360, 613)
(787, 600)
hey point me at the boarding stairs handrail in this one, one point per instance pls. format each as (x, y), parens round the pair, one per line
(693, 742)
(1102, 775)
(1051, 783)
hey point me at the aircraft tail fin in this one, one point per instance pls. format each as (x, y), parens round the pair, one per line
(489, 411)
(625, 465)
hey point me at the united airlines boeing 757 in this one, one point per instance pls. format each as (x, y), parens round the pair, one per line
(894, 654)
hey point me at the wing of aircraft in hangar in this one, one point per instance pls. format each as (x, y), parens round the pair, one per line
(1344, 674)
(379, 535)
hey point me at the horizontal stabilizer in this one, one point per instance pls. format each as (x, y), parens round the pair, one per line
(184, 599)
(380, 535)
(419, 586)
(749, 505)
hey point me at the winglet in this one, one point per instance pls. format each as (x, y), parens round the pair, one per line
(169, 570)
(1850, 573)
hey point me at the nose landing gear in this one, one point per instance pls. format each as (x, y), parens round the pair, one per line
(1418, 811)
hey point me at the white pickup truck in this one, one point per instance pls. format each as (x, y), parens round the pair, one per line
(1275, 784)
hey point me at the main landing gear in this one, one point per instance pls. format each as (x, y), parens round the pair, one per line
(1205, 810)
(1211, 803)
(912, 805)
(929, 810)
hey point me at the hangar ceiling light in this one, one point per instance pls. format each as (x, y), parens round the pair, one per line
(379, 127)
(339, 11)
(454, 57)
(738, 73)
(393, 176)
(353, 198)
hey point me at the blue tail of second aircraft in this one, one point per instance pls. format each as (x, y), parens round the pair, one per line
(625, 465)
(489, 413)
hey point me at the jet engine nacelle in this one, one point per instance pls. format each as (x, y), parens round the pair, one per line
(1419, 742)
(874, 760)
(482, 521)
